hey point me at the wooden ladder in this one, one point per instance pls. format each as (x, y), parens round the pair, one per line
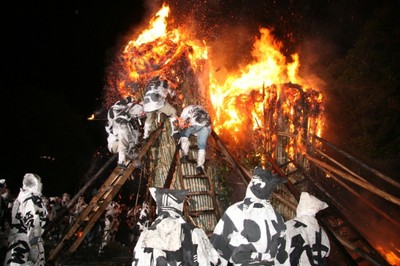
(97, 206)
(89, 216)
(202, 208)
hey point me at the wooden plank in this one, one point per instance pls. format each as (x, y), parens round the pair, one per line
(87, 212)
(99, 203)
(362, 184)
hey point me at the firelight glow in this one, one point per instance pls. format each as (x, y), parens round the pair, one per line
(244, 99)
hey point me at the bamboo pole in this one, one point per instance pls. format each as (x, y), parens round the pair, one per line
(376, 172)
(295, 192)
(342, 166)
(361, 198)
(365, 185)
(358, 250)
(334, 236)
(229, 158)
(63, 211)
(281, 199)
(172, 168)
(138, 191)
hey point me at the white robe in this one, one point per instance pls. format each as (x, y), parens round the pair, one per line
(29, 217)
(306, 241)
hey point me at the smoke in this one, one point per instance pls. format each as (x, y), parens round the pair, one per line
(153, 5)
(224, 26)
(315, 53)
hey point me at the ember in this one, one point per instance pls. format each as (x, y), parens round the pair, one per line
(248, 99)
(259, 104)
(157, 51)
(390, 256)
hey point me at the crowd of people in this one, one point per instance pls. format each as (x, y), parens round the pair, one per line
(24, 219)
(250, 232)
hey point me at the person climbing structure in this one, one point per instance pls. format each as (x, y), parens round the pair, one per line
(155, 102)
(123, 130)
(194, 120)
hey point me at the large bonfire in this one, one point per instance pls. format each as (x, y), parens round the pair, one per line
(256, 106)
(252, 103)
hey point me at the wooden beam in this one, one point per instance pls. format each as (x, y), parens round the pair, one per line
(362, 184)
(376, 172)
(64, 210)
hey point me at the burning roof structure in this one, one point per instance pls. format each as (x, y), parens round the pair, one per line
(241, 100)
(261, 107)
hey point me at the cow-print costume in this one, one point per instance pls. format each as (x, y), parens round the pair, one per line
(170, 240)
(154, 101)
(307, 242)
(196, 115)
(250, 231)
(156, 93)
(122, 127)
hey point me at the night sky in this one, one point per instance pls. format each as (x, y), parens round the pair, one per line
(58, 52)
(57, 56)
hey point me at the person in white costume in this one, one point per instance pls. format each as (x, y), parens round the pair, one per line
(170, 240)
(122, 129)
(194, 120)
(155, 102)
(251, 231)
(306, 241)
(29, 218)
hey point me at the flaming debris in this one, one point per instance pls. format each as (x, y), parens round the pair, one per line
(249, 105)
(260, 106)
(157, 51)
(390, 256)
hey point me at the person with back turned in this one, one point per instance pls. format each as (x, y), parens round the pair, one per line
(29, 218)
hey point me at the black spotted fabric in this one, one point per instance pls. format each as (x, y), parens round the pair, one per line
(169, 200)
(170, 240)
(250, 231)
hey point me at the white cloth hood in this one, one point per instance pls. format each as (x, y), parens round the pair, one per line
(309, 205)
(32, 183)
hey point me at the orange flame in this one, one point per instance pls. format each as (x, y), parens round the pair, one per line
(91, 117)
(390, 256)
(265, 95)
(264, 78)
(158, 51)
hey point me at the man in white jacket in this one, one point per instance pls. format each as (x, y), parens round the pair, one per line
(29, 218)
(251, 231)
(155, 102)
(123, 135)
(194, 120)
(170, 240)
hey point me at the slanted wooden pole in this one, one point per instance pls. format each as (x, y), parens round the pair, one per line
(376, 172)
(362, 184)
(64, 210)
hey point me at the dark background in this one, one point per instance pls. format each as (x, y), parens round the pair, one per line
(57, 55)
